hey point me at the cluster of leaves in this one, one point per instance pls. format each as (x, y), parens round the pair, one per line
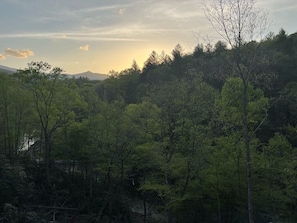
(167, 138)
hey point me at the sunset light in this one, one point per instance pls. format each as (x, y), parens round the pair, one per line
(108, 35)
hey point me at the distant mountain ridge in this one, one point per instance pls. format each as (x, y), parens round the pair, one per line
(8, 70)
(88, 74)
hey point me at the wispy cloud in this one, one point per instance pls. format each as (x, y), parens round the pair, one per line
(2, 57)
(97, 21)
(98, 9)
(84, 48)
(122, 11)
(88, 12)
(131, 32)
(18, 53)
(101, 8)
(174, 9)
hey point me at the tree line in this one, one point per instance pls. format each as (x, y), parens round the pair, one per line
(168, 140)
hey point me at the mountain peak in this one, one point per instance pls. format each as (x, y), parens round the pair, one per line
(8, 70)
(87, 74)
(90, 75)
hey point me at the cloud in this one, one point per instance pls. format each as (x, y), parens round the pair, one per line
(2, 57)
(129, 21)
(89, 34)
(84, 48)
(175, 10)
(98, 9)
(122, 11)
(18, 53)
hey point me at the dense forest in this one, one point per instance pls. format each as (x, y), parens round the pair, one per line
(166, 143)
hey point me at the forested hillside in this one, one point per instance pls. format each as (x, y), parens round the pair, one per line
(166, 143)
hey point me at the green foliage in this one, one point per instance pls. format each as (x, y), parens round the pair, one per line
(55, 101)
(14, 187)
(166, 141)
(16, 112)
(275, 167)
(231, 102)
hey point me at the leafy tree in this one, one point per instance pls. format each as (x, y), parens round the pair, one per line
(108, 150)
(239, 22)
(145, 159)
(224, 177)
(275, 168)
(135, 67)
(15, 112)
(121, 86)
(179, 64)
(244, 119)
(53, 99)
(152, 62)
(184, 110)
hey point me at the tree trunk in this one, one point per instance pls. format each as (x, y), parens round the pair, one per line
(247, 150)
(109, 195)
(91, 175)
(144, 209)
(47, 155)
(219, 208)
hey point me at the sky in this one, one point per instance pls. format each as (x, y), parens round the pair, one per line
(105, 35)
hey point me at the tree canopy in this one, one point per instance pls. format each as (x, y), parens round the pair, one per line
(163, 144)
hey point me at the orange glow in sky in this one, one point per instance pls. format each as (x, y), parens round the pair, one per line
(101, 36)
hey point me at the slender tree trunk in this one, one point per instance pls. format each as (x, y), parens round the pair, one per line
(17, 134)
(219, 208)
(248, 156)
(144, 208)
(122, 177)
(7, 131)
(91, 179)
(47, 155)
(40, 146)
(109, 195)
(187, 179)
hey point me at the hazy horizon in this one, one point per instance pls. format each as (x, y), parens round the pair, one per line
(98, 36)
